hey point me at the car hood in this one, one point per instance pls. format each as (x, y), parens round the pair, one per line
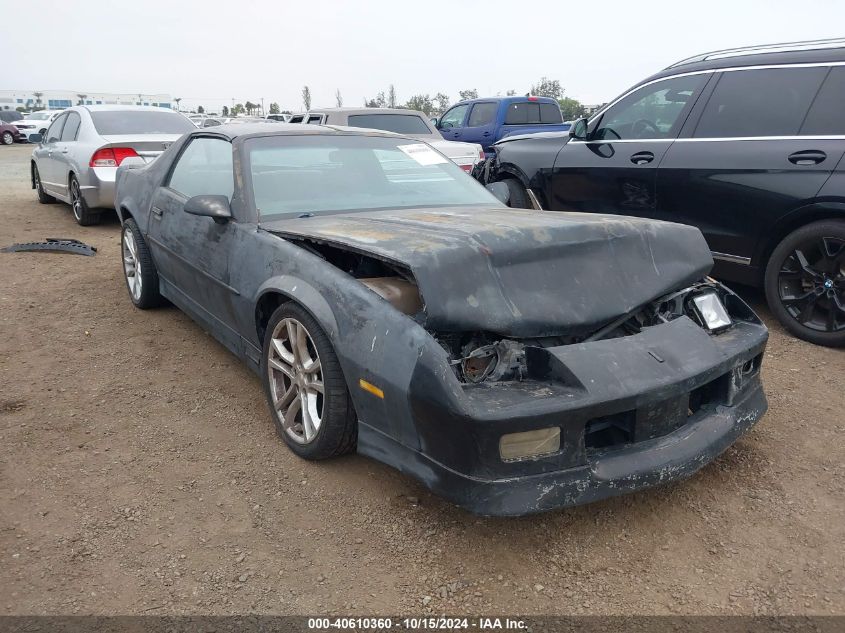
(516, 272)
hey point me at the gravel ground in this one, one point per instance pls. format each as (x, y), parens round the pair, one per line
(141, 474)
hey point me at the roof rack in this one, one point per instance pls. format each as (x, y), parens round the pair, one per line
(785, 47)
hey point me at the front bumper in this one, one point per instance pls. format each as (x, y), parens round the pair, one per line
(683, 395)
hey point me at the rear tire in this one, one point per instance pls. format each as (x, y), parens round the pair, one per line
(805, 283)
(7, 138)
(81, 213)
(518, 195)
(139, 271)
(43, 197)
(305, 388)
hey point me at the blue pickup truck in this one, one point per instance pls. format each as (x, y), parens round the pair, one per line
(486, 121)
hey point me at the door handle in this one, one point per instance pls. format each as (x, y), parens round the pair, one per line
(486, 134)
(807, 157)
(157, 212)
(642, 158)
(63, 150)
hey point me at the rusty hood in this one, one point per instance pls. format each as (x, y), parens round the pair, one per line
(515, 272)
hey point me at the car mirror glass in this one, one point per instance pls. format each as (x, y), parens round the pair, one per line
(578, 130)
(215, 207)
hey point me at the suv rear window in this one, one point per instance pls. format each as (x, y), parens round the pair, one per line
(399, 123)
(763, 102)
(111, 122)
(528, 112)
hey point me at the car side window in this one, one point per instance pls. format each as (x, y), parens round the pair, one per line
(762, 102)
(315, 119)
(454, 117)
(204, 168)
(54, 132)
(652, 112)
(826, 115)
(71, 128)
(482, 114)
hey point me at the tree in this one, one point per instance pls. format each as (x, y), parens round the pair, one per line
(391, 97)
(468, 94)
(423, 103)
(378, 102)
(571, 108)
(177, 100)
(38, 96)
(225, 111)
(442, 102)
(510, 93)
(81, 99)
(250, 107)
(200, 110)
(237, 109)
(274, 108)
(306, 97)
(547, 88)
(338, 98)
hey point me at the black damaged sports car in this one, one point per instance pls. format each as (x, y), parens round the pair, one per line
(512, 360)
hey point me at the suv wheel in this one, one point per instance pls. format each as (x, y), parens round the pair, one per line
(805, 282)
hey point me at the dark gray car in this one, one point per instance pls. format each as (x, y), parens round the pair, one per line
(512, 360)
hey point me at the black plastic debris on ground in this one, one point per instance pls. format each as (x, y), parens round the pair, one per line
(54, 245)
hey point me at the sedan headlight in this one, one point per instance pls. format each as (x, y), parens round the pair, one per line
(711, 311)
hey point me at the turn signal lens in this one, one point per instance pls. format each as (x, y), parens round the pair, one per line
(516, 446)
(111, 156)
(712, 312)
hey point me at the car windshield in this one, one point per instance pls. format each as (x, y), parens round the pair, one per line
(39, 116)
(330, 173)
(111, 122)
(399, 123)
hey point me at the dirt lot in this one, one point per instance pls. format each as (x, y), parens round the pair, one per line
(141, 474)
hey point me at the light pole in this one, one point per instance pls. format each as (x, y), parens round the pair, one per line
(262, 106)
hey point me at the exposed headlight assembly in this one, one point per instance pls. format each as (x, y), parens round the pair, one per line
(711, 312)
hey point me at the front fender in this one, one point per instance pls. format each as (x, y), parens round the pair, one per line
(306, 295)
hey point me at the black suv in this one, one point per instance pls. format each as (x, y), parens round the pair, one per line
(746, 144)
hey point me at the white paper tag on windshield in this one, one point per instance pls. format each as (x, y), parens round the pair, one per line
(423, 154)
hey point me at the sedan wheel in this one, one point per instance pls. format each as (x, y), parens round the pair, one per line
(305, 387)
(43, 196)
(83, 215)
(806, 282)
(7, 138)
(132, 266)
(296, 381)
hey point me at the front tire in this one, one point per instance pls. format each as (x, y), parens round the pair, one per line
(518, 195)
(81, 213)
(139, 271)
(805, 283)
(305, 387)
(43, 197)
(7, 138)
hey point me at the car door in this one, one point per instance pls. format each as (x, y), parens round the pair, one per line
(481, 124)
(47, 159)
(65, 146)
(191, 252)
(764, 144)
(451, 124)
(615, 169)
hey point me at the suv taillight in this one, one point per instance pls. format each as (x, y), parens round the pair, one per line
(111, 156)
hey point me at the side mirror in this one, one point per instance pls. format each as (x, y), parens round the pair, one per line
(444, 126)
(435, 122)
(578, 130)
(214, 207)
(500, 190)
(34, 138)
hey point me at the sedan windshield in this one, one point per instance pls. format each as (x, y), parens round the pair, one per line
(111, 122)
(328, 173)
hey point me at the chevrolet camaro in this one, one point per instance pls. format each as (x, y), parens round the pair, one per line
(512, 360)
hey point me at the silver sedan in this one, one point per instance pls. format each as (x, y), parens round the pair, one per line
(77, 158)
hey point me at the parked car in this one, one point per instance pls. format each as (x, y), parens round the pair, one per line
(485, 121)
(78, 156)
(280, 117)
(408, 122)
(9, 134)
(513, 361)
(10, 116)
(36, 122)
(745, 144)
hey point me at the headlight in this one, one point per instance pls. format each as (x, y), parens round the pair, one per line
(516, 446)
(711, 311)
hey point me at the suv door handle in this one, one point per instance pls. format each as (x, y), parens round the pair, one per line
(642, 158)
(157, 212)
(807, 157)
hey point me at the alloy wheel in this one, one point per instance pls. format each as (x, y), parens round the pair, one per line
(37, 178)
(811, 284)
(296, 381)
(8, 139)
(76, 200)
(132, 265)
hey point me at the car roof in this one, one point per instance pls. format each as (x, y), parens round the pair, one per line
(251, 130)
(124, 108)
(354, 111)
(509, 99)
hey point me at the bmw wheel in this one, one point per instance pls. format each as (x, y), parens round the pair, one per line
(305, 387)
(805, 283)
(83, 215)
(139, 271)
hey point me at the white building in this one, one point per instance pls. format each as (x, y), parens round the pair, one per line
(61, 99)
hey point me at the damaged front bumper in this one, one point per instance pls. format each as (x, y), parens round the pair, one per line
(633, 412)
